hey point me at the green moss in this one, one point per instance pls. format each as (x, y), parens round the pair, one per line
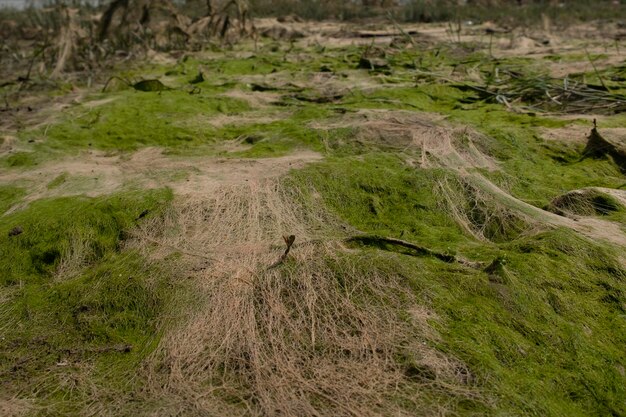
(57, 181)
(279, 137)
(541, 324)
(20, 159)
(10, 195)
(434, 98)
(74, 301)
(137, 119)
(549, 332)
(542, 332)
(379, 194)
(105, 319)
(54, 229)
(532, 168)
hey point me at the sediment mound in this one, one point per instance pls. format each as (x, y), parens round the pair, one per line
(585, 202)
(606, 144)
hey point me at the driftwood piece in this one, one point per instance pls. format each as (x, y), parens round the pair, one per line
(413, 249)
(107, 17)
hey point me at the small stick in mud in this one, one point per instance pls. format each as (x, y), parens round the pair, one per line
(289, 242)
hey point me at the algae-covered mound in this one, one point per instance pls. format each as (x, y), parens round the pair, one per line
(339, 224)
(585, 202)
(607, 144)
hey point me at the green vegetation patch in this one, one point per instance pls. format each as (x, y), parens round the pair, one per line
(56, 182)
(531, 168)
(538, 316)
(95, 327)
(541, 325)
(279, 137)
(19, 160)
(136, 119)
(382, 195)
(75, 306)
(10, 195)
(54, 230)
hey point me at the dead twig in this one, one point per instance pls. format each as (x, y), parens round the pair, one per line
(402, 31)
(289, 242)
(596, 71)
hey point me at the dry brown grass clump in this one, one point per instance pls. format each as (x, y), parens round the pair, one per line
(10, 407)
(326, 333)
(480, 213)
(438, 145)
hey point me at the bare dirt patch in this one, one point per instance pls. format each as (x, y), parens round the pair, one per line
(7, 144)
(92, 104)
(255, 99)
(223, 120)
(11, 407)
(560, 69)
(36, 110)
(578, 133)
(569, 134)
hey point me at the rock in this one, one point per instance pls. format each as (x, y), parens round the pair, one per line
(283, 33)
(373, 63)
(292, 18)
(17, 230)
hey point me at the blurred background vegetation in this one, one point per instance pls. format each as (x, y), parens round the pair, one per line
(511, 12)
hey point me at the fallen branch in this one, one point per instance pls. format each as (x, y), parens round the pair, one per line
(383, 34)
(378, 241)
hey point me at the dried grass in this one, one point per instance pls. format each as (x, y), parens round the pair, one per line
(77, 256)
(10, 407)
(68, 38)
(440, 145)
(480, 213)
(584, 202)
(324, 334)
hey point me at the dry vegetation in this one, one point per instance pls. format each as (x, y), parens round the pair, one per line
(320, 335)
